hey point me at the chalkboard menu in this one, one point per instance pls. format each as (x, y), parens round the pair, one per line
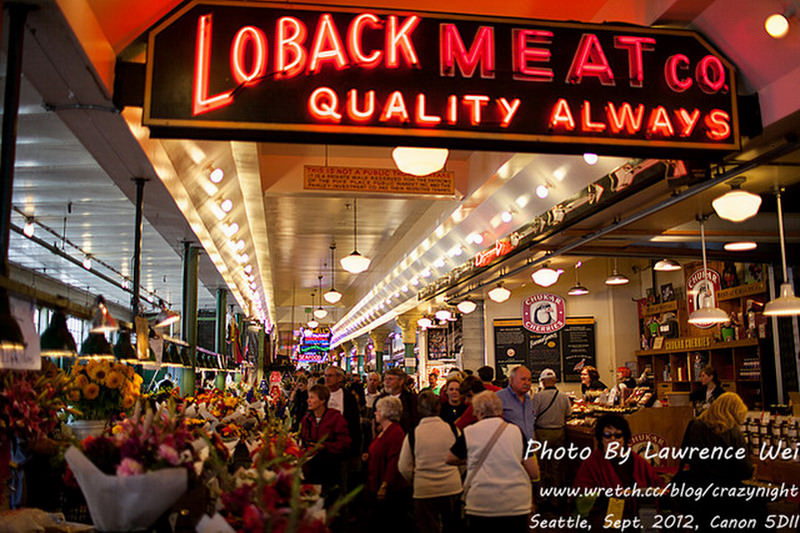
(544, 351)
(578, 347)
(565, 351)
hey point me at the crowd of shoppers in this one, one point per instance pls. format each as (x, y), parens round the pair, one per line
(457, 457)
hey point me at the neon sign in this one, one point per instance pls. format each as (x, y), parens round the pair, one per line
(240, 70)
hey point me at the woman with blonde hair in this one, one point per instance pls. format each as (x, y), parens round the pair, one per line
(718, 455)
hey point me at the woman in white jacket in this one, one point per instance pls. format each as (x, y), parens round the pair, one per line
(437, 485)
(498, 483)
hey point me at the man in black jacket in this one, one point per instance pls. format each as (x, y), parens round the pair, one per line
(394, 385)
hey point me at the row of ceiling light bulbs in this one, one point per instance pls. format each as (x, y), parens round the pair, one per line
(238, 247)
(736, 205)
(421, 162)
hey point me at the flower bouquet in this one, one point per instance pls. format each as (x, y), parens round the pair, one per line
(270, 495)
(99, 390)
(31, 402)
(132, 477)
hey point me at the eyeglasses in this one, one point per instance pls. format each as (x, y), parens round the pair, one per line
(617, 435)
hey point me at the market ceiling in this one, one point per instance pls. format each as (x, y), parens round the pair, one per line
(289, 230)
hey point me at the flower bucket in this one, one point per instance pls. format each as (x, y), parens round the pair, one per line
(87, 428)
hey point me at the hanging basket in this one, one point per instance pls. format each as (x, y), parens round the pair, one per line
(87, 428)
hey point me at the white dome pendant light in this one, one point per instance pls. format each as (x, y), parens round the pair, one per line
(708, 314)
(787, 303)
(419, 161)
(320, 313)
(332, 296)
(736, 205)
(355, 263)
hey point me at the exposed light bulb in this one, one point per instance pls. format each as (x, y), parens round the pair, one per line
(87, 263)
(542, 191)
(777, 25)
(506, 217)
(240, 244)
(475, 238)
(248, 268)
(226, 205)
(29, 228)
(231, 229)
(216, 175)
(590, 158)
(424, 322)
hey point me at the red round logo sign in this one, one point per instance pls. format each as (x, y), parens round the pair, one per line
(702, 292)
(543, 313)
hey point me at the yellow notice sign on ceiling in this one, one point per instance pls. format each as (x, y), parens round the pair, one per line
(377, 180)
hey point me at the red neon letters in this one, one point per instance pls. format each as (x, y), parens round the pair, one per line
(627, 120)
(331, 42)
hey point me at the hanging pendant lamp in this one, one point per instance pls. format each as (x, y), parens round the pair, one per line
(102, 322)
(319, 312)
(11, 339)
(355, 263)
(312, 323)
(666, 265)
(616, 278)
(332, 296)
(546, 276)
(419, 161)
(166, 316)
(708, 314)
(499, 294)
(736, 205)
(56, 340)
(577, 289)
(787, 304)
(466, 306)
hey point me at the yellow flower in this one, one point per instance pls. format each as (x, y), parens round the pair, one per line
(91, 391)
(118, 367)
(137, 381)
(81, 381)
(97, 372)
(117, 429)
(74, 395)
(114, 380)
(128, 401)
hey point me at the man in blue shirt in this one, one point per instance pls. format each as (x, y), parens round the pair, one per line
(517, 404)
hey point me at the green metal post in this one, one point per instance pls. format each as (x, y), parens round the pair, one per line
(189, 316)
(220, 346)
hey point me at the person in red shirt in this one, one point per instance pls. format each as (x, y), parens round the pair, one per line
(469, 388)
(486, 373)
(318, 423)
(386, 488)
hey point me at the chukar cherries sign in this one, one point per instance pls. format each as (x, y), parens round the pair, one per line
(251, 70)
(543, 313)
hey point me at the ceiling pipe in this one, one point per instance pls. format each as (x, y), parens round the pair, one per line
(57, 251)
(791, 145)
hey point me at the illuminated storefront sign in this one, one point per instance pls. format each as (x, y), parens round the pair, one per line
(239, 70)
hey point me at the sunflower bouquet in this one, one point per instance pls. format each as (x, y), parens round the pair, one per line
(102, 389)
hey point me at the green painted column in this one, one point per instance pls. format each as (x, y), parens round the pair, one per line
(220, 346)
(189, 315)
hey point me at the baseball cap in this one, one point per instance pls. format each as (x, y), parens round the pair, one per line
(547, 373)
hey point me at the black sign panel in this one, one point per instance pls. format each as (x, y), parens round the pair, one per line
(309, 73)
(544, 352)
(578, 347)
